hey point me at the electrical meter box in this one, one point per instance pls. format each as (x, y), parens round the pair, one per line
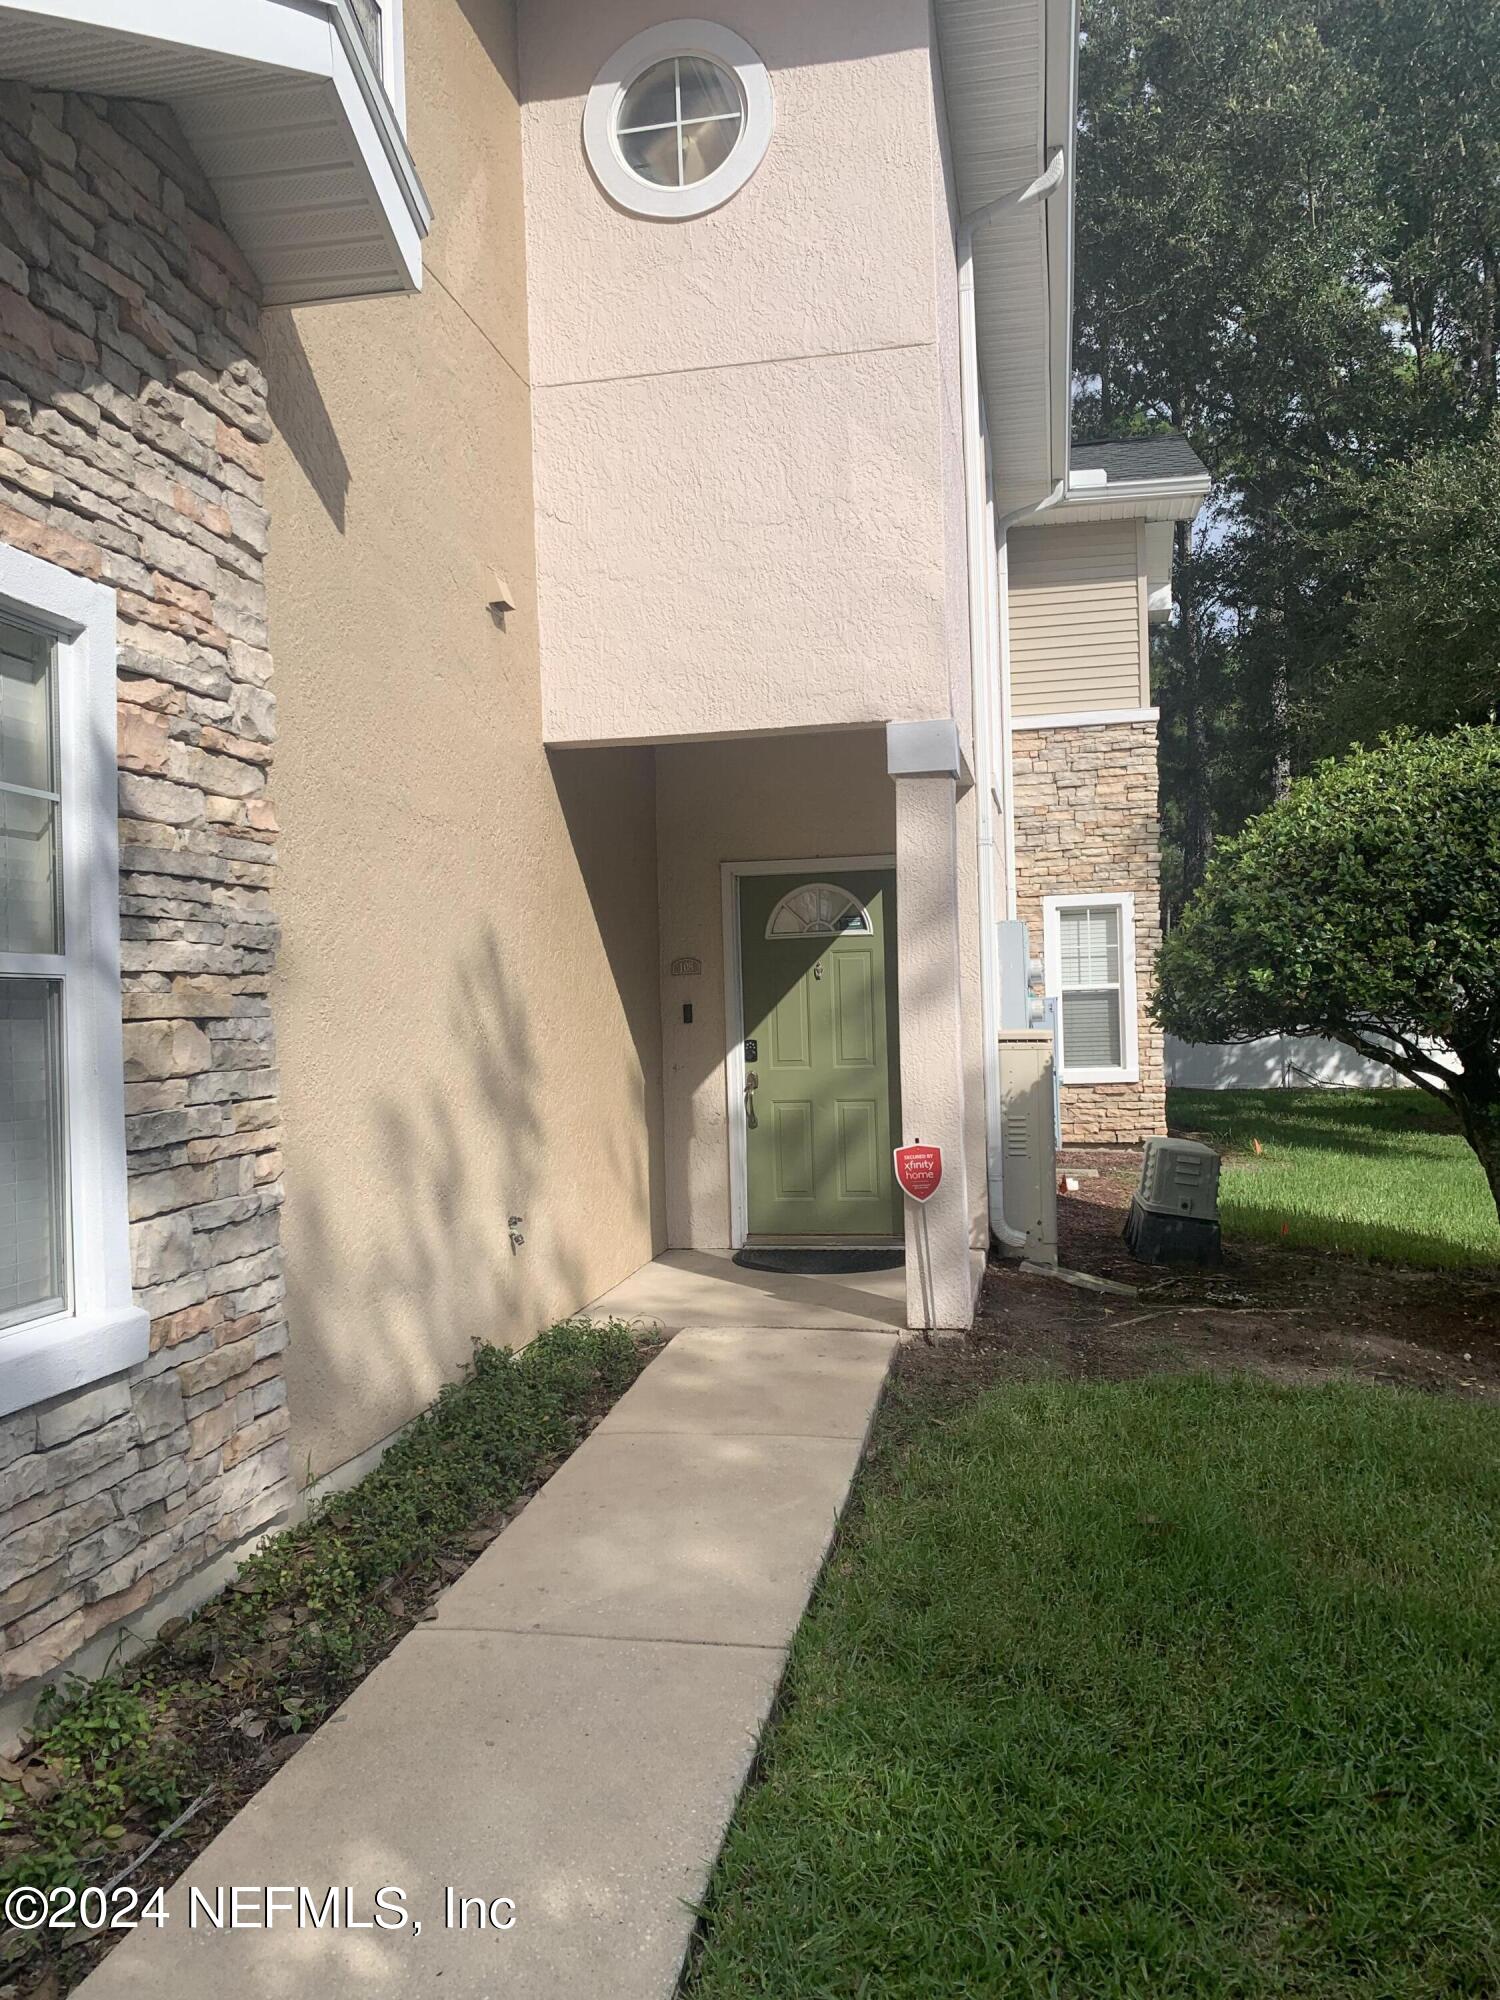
(1028, 1152)
(1174, 1213)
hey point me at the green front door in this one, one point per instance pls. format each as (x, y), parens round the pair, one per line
(817, 954)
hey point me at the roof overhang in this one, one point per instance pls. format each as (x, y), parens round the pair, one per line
(284, 110)
(1010, 78)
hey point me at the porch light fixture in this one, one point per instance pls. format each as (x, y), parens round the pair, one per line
(678, 120)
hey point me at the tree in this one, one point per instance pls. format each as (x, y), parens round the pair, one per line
(1289, 248)
(1425, 633)
(1222, 219)
(1428, 74)
(1365, 905)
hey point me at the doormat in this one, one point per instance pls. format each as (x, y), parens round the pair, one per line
(810, 1263)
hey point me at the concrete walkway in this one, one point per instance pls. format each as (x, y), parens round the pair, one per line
(684, 1288)
(572, 1728)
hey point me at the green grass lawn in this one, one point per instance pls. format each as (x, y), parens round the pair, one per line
(1380, 1173)
(1182, 1687)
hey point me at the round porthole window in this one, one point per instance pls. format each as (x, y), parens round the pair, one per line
(678, 120)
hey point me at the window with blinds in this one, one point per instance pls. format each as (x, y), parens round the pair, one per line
(33, 969)
(1091, 987)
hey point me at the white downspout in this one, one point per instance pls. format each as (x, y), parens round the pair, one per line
(987, 633)
(1007, 735)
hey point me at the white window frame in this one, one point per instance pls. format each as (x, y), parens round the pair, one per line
(1129, 1071)
(628, 189)
(102, 1330)
(392, 55)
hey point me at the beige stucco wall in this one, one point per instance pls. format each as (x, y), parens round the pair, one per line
(744, 495)
(945, 224)
(1078, 631)
(956, 639)
(937, 1101)
(467, 997)
(781, 270)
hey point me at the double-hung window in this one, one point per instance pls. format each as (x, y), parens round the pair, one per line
(33, 1147)
(66, 1312)
(1090, 970)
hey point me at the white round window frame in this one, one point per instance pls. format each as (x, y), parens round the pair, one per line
(621, 183)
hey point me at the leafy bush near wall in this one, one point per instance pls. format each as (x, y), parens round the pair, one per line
(220, 1700)
(1364, 906)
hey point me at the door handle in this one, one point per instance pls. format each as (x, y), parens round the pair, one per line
(752, 1084)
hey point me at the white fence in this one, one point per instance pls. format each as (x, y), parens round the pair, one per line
(1276, 1062)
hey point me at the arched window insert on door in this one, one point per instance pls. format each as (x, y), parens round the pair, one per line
(819, 909)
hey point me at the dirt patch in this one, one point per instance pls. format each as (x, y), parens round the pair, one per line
(1292, 1316)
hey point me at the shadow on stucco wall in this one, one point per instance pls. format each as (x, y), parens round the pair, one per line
(494, 26)
(376, 1334)
(786, 32)
(300, 414)
(611, 877)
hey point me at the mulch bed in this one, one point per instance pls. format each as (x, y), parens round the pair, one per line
(1293, 1316)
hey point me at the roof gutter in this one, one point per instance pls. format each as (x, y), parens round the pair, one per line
(987, 647)
(1139, 492)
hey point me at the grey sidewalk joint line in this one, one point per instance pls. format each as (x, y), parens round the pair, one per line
(738, 1437)
(431, 1627)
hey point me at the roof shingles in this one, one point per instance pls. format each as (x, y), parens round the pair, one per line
(1129, 461)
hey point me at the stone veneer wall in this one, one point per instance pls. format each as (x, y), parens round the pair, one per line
(132, 417)
(1087, 818)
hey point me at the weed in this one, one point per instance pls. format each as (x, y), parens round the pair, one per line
(305, 1619)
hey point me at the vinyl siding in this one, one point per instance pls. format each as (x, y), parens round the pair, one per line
(1077, 618)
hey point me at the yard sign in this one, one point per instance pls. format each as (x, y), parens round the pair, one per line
(919, 1171)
